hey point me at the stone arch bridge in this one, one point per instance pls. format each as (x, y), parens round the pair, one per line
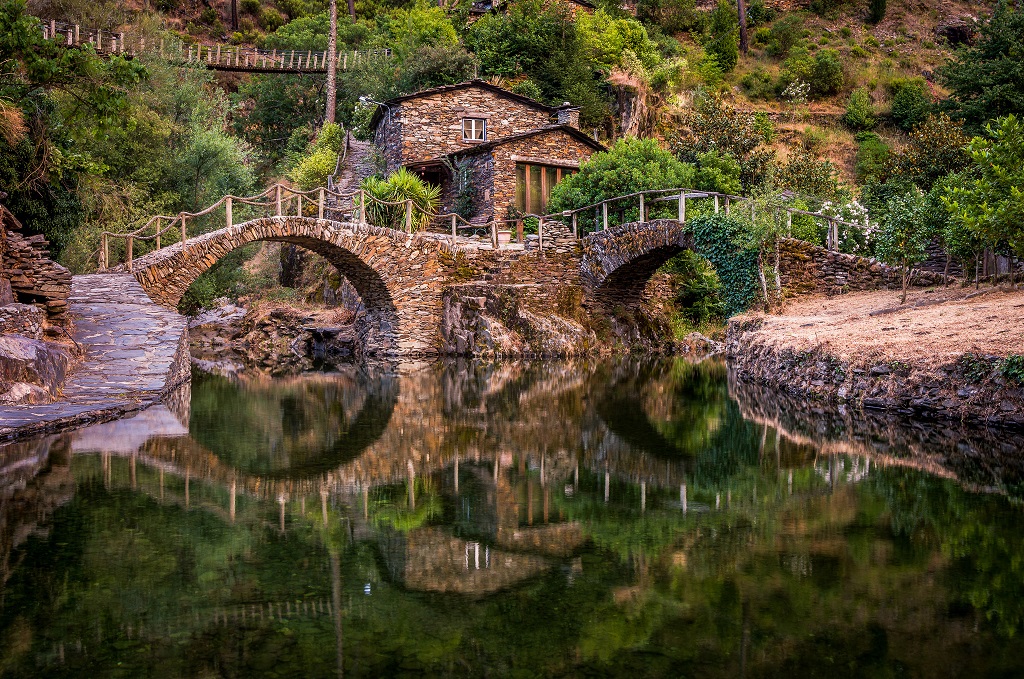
(403, 278)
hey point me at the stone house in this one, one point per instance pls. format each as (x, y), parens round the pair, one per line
(490, 150)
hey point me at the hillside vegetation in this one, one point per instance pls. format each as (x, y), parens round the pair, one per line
(851, 108)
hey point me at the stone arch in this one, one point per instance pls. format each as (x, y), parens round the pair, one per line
(617, 263)
(385, 266)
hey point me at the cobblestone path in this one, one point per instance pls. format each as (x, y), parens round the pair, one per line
(135, 352)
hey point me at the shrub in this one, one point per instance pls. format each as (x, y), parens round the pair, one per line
(759, 85)
(715, 237)
(783, 35)
(876, 11)
(911, 102)
(759, 13)
(810, 176)
(761, 35)
(872, 157)
(313, 170)
(251, 7)
(823, 71)
(723, 35)
(527, 88)
(1012, 368)
(400, 186)
(859, 113)
(699, 294)
(858, 52)
(271, 19)
(936, 148)
(826, 7)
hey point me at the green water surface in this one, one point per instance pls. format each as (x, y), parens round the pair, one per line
(624, 518)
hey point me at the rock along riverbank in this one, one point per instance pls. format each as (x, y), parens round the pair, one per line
(135, 354)
(946, 354)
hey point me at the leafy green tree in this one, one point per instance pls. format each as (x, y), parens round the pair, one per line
(910, 102)
(712, 125)
(872, 157)
(859, 113)
(992, 204)
(903, 236)
(604, 39)
(47, 94)
(723, 35)
(631, 165)
(823, 71)
(986, 79)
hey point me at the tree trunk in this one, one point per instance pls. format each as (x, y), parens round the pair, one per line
(945, 272)
(760, 273)
(352, 9)
(741, 7)
(234, 15)
(778, 274)
(332, 65)
(977, 271)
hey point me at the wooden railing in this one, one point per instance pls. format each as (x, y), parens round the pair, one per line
(217, 56)
(281, 200)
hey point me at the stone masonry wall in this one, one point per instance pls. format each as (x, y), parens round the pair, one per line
(556, 147)
(431, 126)
(807, 268)
(29, 275)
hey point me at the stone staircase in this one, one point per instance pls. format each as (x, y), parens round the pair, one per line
(358, 165)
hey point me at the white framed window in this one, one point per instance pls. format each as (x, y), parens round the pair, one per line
(474, 129)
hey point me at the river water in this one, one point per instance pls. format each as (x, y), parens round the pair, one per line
(624, 518)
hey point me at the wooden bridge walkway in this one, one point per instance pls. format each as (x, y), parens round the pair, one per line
(218, 57)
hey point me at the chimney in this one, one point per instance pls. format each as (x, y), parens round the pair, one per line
(569, 115)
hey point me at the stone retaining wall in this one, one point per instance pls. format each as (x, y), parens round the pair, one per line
(811, 269)
(28, 274)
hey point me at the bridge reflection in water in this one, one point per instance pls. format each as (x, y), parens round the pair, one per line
(440, 478)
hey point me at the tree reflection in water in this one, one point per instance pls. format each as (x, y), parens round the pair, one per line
(629, 518)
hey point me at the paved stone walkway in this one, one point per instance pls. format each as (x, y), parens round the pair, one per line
(135, 352)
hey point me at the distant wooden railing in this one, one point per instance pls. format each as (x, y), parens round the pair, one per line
(217, 56)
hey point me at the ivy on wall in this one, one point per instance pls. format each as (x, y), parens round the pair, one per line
(714, 237)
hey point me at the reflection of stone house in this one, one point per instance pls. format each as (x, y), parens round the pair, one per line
(487, 148)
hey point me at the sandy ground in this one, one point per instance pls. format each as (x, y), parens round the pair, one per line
(933, 328)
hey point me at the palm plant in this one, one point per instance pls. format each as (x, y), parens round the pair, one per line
(399, 187)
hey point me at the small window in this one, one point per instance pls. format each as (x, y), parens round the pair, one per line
(474, 129)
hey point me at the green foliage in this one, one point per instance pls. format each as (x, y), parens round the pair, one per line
(712, 125)
(604, 39)
(250, 7)
(992, 203)
(784, 35)
(872, 157)
(759, 84)
(717, 172)
(805, 227)
(225, 278)
(436, 65)
(811, 177)
(313, 170)
(723, 34)
(876, 10)
(903, 234)
(759, 13)
(699, 292)
(400, 186)
(1012, 368)
(631, 165)
(527, 88)
(911, 102)
(935, 149)
(823, 71)
(986, 79)
(715, 237)
(672, 16)
(860, 115)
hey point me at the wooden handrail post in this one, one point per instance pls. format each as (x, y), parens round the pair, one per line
(362, 207)
(716, 204)
(158, 233)
(229, 219)
(575, 231)
(298, 204)
(540, 233)
(130, 244)
(604, 210)
(727, 203)
(643, 210)
(408, 215)
(184, 234)
(104, 253)
(494, 234)
(320, 204)
(789, 223)
(453, 226)
(682, 207)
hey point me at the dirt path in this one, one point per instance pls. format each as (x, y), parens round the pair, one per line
(934, 327)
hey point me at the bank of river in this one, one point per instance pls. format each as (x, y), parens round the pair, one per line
(560, 518)
(952, 354)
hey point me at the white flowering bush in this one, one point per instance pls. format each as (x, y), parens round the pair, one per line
(857, 240)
